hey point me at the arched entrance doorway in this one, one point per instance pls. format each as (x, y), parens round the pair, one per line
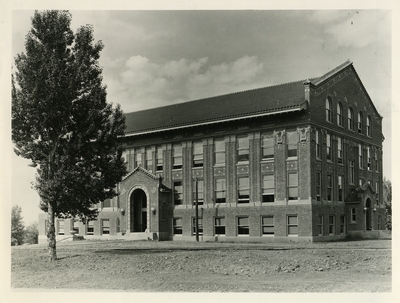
(138, 211)
(368, 214)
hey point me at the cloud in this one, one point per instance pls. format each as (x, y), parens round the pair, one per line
(354, 28)
(144, 84)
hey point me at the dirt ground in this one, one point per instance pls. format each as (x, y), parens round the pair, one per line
(141, 266)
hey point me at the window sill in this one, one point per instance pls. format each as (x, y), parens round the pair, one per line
(243, 162)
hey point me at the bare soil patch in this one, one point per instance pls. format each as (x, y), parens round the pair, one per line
(351, 266)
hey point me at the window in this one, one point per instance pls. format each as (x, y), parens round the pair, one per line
(369, 164)
(90, 228)
(342, 224)
(219, 151)
(329, 188)
(107, 203)
(321, 225)
(328, 147)
(105, 227)
(220, 191)
(61, 227)
(353, 215)
(369, 124)
(149, 159)
(379, 222)
(350, 119)
(177, 156)
(118, 224)
(360, 123)
(198, 154)
(177, 226)
(268, 147)
(318, 144)
(318, 186)
(328, 110)
(243, 149)
(160, 159)
(351, 172)
(75, 226)
(178, 193)
(200, 192)
(243, 190)
(200, 225)
(267, 225)
(376, 160)
(293, 186)
(291, 137)
(243, 225)
(340, 188)
(340, 150)
(219, 226)
(292, 226)
(268, 194)
(360, 156)
(138, 158)
(339, 114)
(331, 225)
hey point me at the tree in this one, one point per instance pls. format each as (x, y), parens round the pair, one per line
(387, 200)
(17, 226)
(62, 122)
(31, 234)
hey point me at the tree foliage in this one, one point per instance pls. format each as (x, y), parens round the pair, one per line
(17, 226)
(31, 234)
(387, 200)
(61, 120)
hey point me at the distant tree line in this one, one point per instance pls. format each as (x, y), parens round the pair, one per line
(21, 234)
(387, 200)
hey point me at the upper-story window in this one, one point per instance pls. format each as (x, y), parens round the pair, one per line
(318, 144)
(328, 109)
(198, 154)
(360, 123)
(293, 183)
(350, 119)
(360, 156)
(220, 190)
(369, 125)
(351, 172)
(369, 164)
(268, 190)
(178, 193)
(339, 114)
(243, 190)
(243, 149)
(291, 137)
(328, 146)
(160, 158)
(340, 150)
(219, 151)
(200, 192)
(268, 148)
(149, 159)
(177, 156)
(138, 158)
(340, 188)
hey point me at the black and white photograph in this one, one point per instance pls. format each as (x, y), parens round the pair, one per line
(199, 150)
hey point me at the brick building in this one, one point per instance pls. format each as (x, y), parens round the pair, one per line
(300, 161)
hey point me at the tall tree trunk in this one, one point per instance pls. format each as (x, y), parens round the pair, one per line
(51, 235)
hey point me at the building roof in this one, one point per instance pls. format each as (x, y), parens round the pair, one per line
(264, 101)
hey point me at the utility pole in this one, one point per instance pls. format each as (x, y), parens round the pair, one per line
(197, 209)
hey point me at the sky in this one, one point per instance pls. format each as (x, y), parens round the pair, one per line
(156, 58)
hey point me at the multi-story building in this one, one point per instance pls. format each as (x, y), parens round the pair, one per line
(296, 161)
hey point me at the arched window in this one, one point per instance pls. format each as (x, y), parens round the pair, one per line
(339, 114)
(360, 123)
(328, 110)
(350, 119)
(369, 124)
